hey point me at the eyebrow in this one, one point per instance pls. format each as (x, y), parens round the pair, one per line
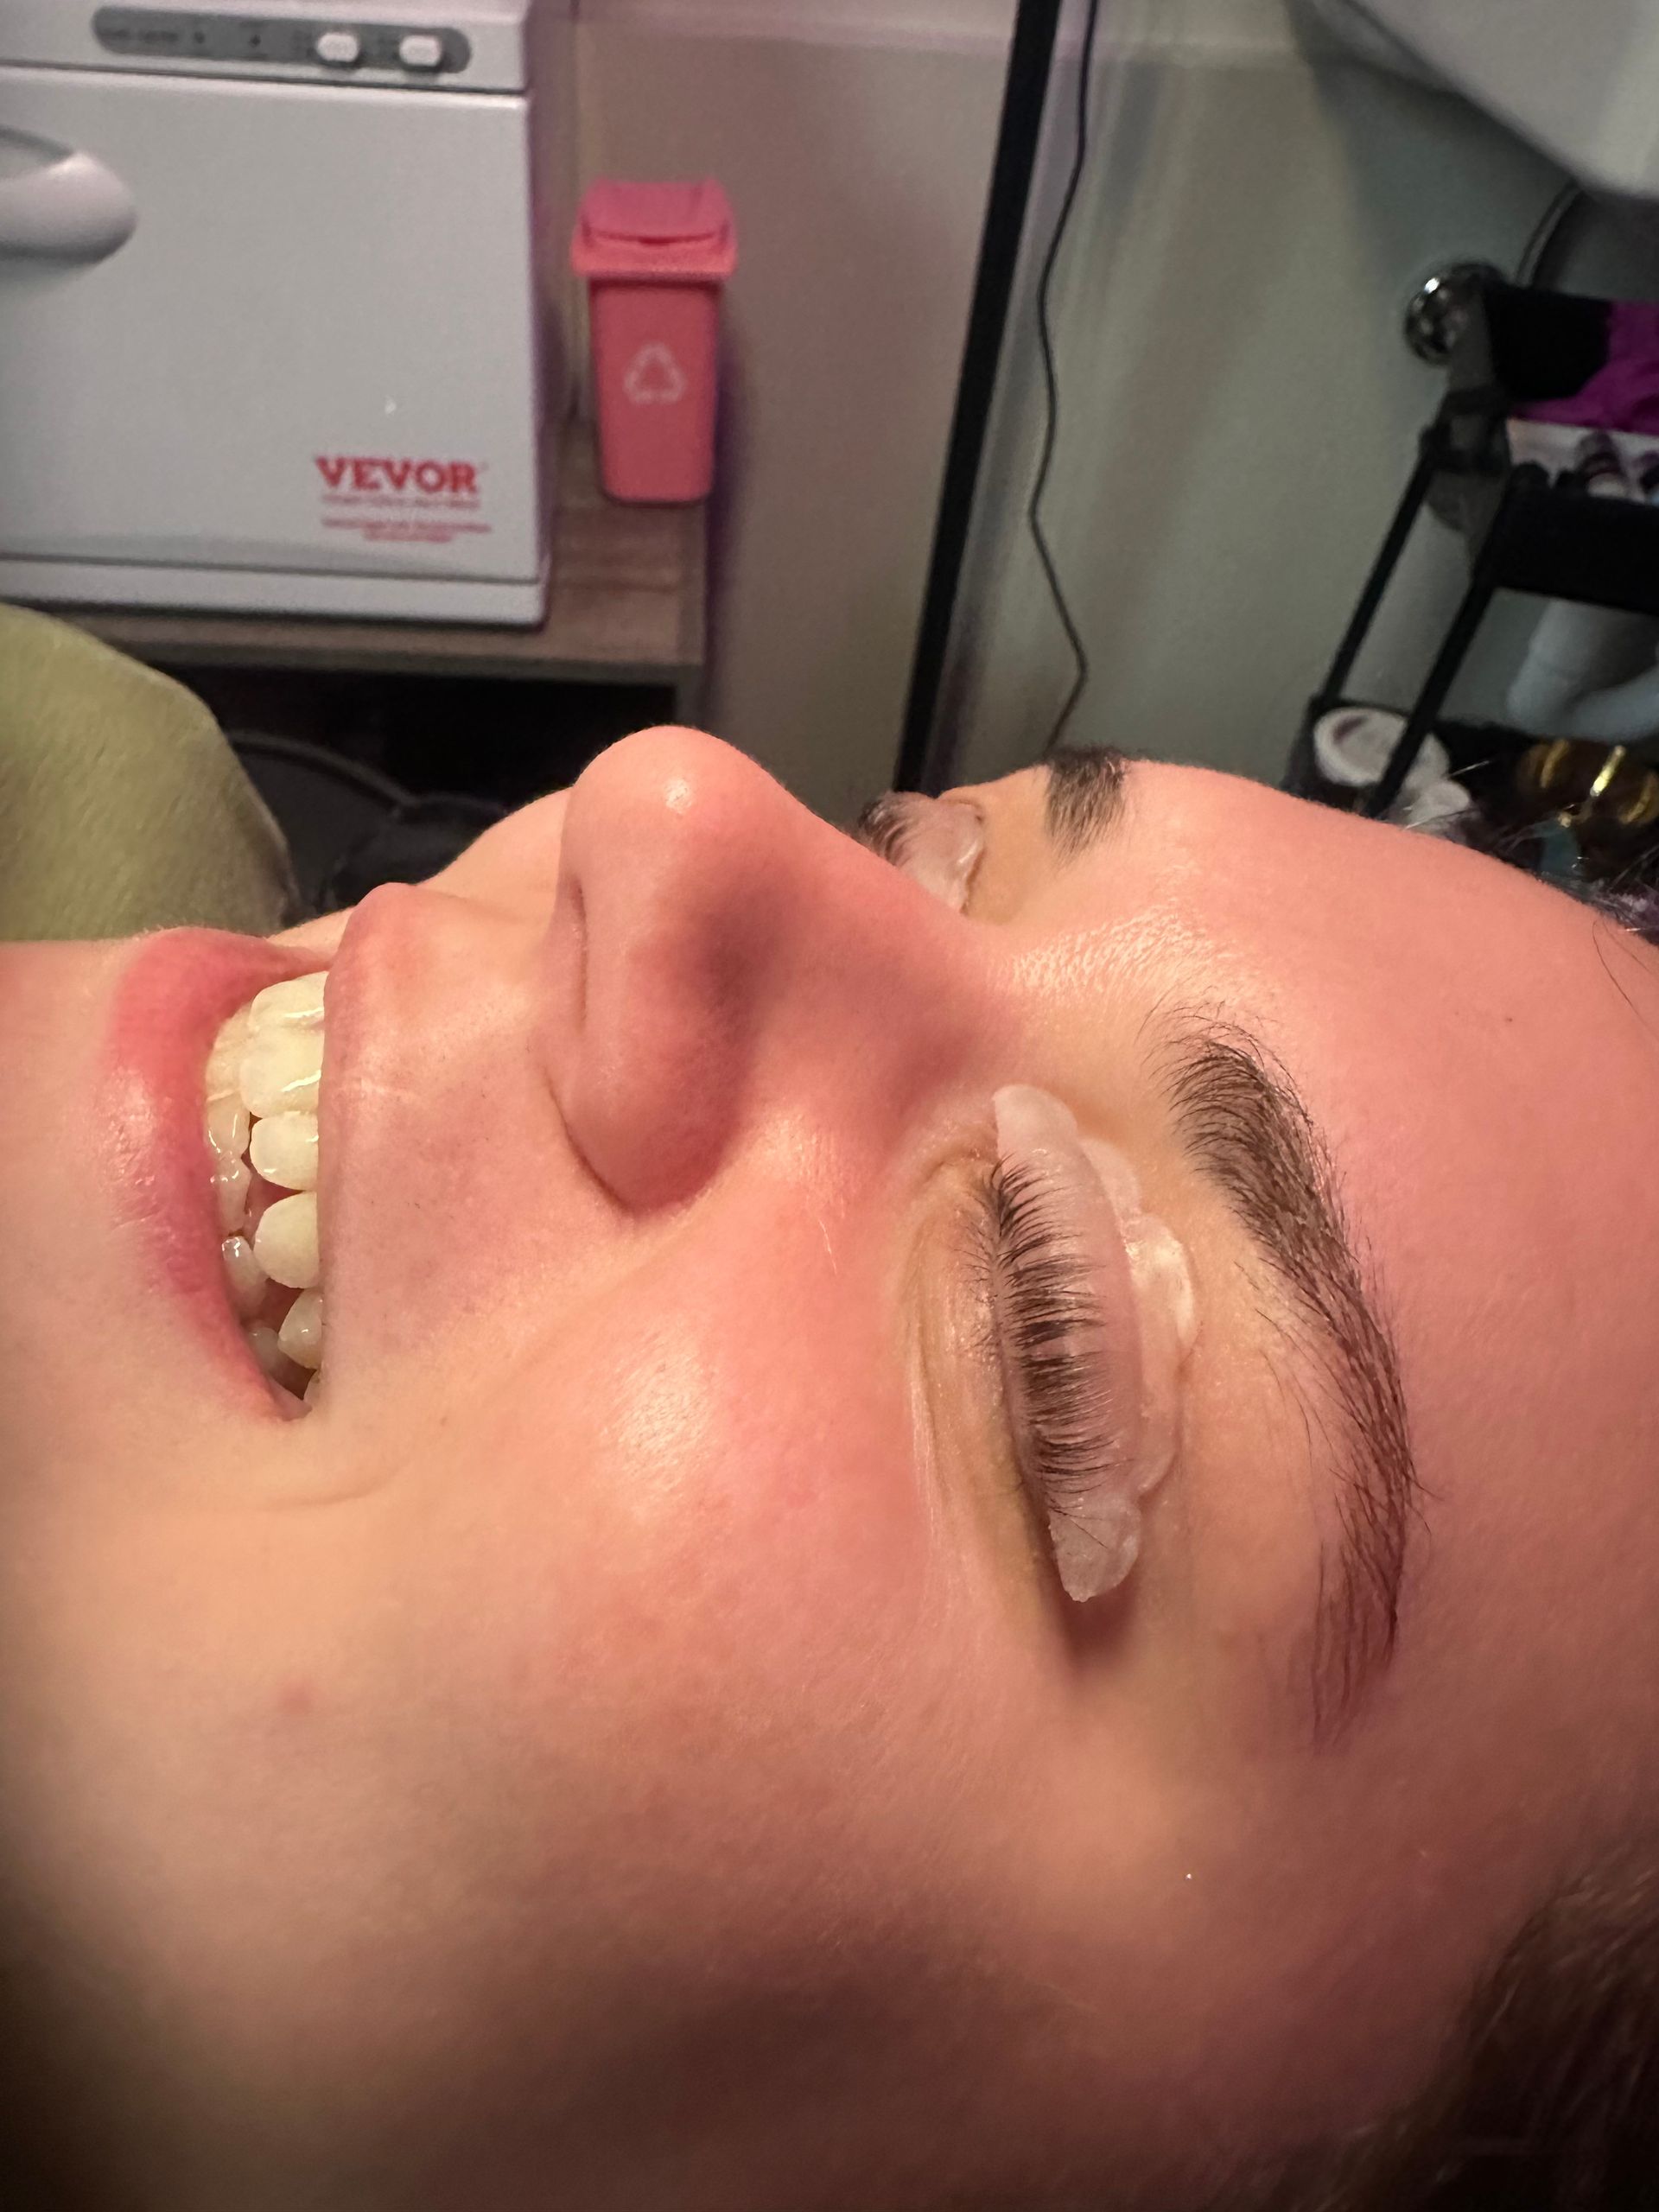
(1245, 1128)
(1083, 799)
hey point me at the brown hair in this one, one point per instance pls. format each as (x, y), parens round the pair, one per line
(1549, 2099)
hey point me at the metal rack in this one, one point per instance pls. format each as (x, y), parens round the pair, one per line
(1524, 530)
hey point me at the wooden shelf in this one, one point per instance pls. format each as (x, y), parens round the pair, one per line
(627, 606)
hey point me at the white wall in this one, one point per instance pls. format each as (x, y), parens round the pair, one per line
(980, 26)
(855, 138)
(1238, 407)
(1238, 410)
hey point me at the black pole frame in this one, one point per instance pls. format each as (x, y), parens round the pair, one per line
(926, 750)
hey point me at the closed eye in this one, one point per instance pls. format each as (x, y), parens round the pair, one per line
(1051, 1341)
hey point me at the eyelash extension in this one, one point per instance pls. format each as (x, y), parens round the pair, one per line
(1043, 1307)
(887, 825)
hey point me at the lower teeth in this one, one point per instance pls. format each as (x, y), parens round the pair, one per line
(249, 1283)
(268, 1213)
(301, 1334)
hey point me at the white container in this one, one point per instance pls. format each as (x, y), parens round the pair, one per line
(1352, 745)
(1573, 76)
(273, 324)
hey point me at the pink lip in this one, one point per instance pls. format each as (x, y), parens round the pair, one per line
(179, 987)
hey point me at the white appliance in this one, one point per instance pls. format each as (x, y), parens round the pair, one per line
(1576, 77)
(279, 291)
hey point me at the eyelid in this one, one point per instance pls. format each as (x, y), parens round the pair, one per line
(1069, 1340)
(936, 841)
(1095, 1319)
(950, 840)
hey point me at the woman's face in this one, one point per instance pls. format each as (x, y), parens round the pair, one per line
(632, 1721)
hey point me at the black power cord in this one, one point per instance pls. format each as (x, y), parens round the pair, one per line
(927, 746)
(318, 760)
(1052, 382)
(409, 835)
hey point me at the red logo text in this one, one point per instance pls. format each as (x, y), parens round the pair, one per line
(362, 472)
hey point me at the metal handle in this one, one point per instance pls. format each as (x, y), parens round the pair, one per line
(72, 208)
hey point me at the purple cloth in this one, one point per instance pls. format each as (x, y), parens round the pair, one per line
(1623, 393)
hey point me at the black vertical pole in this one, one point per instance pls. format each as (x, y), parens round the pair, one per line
(926, 752)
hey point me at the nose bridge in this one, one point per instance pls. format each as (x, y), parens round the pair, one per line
(717, 952)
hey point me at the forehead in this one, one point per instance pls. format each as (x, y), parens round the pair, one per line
(1481, 1053)
(1393, 937)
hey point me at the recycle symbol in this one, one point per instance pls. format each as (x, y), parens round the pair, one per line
(654, 377)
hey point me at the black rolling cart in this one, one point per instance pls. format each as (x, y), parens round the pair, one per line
(1524, 529)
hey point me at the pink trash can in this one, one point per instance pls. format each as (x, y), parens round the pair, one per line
(655, 256)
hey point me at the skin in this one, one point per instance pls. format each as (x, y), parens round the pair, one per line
(628, 1748)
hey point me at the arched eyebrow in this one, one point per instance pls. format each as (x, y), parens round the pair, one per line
(1084, 799)
(1246, 1130)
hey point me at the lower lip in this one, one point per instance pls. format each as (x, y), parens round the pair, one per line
(180, 986)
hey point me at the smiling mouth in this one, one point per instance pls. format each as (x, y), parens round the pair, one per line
(262, 1081)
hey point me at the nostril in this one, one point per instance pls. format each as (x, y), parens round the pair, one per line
(577, 925)
(563, 1014)
(711, 942)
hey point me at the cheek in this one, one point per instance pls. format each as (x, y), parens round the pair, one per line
(695, 1562)
(727, 1677)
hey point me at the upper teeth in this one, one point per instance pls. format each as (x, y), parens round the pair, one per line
(283, 1149)
(263, 1078)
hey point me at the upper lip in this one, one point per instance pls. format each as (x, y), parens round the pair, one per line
(176, 990)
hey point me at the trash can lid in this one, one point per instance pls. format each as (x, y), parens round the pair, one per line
(664, 231)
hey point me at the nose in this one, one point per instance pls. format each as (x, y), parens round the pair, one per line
(719, 958)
